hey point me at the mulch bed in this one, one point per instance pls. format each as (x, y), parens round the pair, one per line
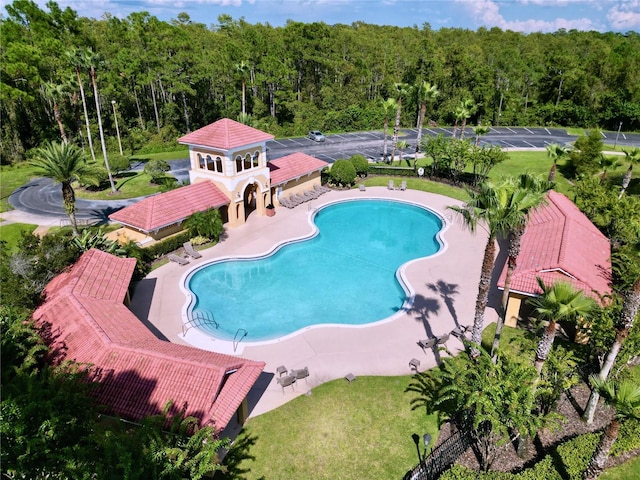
(571, 407)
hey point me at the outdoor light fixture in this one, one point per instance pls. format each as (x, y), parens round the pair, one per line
(416, 440)
(426, 438)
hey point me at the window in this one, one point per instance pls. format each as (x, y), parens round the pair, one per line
(201, 163)
(238, 164)
(210, 163)
(256, 159)
(218, 165)
(247, 161)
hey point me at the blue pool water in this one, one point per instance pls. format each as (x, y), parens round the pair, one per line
(346, 274)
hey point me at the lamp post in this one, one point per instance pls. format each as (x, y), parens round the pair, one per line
(617, 135)
(115, 115)
(426, 438)
(416, 440)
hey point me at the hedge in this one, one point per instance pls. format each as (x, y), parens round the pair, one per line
(387, 170)
(166, 246)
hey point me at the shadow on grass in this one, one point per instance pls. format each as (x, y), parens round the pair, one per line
(238, 453)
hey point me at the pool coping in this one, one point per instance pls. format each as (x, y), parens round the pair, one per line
(334, 352)
(198, 338)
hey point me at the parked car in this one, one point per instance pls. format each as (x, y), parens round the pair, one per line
(316, 136)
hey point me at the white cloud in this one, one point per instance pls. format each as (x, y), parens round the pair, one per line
(487, 13)
(625, 15)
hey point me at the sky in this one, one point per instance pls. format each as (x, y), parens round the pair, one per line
(518, 15)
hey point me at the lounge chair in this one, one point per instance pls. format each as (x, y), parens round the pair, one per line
(295, 201)
(459, 331)
(285, 203)
(175, 258)
(427, 343)
(286, 381)
(403, 185)
(362, 187)
(300, 198)
(191, 251)
(301, 373)
(307, 196)
(442, 339)
(392, 186)
(314, 193)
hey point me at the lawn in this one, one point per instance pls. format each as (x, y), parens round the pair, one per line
(12, 233)
(128, 185)
(629, 470)
(342, 430)
(12, 177)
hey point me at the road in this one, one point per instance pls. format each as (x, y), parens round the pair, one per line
(42, 197)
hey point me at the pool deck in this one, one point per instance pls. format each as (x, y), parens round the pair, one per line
(445, 288)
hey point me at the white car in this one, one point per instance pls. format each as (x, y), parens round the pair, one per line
(316, 136)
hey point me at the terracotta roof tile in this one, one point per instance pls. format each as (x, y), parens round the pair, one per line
(137, 372)
(560, 243)
(293, 166)
(225, 134)
(171, 207)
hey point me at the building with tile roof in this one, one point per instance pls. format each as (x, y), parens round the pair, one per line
(86, 319)
(228, 171)
(559, 244)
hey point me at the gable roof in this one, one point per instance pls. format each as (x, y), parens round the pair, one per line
(293, 166)
(225, 134)
(561, 244)
(168, 208)
(136, 372)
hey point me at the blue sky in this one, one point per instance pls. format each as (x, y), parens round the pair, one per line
(518, 15)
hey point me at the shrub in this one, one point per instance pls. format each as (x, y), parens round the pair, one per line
(576, 454)
(343, 172)
(205, 224)
(388, 170)
(118, 163)
(628, 437)
(156, 169)
(361, 165)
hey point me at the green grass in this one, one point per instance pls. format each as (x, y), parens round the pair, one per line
(12, 177)
(629, 470)
(340, 431)
(12, 233)
(420, 184)
(128, 185)
(173, 155)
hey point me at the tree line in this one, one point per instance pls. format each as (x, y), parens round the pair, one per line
(64, 75)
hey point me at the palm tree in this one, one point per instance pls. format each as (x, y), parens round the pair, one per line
(554, 152)
(63, 163)
(632, 156)
(487, 207)
(528, 193)
(624, 397)
(242, 68)
(77, 59)
(479, 131)
(92, 60)
(425, 93)
(402, 89)
(628, 314)
(55, 93)
(388, 106)
(558, 302)
(464, 111)
(402, 145)
(606, 163)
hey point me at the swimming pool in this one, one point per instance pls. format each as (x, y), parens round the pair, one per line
(346, 274)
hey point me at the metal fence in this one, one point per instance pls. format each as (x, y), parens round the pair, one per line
(440, 458)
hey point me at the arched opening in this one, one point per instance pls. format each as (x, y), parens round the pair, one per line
(250, 199)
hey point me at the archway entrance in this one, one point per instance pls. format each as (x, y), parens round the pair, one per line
(250, 199)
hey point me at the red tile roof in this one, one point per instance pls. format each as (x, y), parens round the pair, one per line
(560, 243)
(225, 134)
(136, 372)
(293, 166)
(171, 207)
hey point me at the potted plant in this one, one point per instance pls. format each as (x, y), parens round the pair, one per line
(271, 210)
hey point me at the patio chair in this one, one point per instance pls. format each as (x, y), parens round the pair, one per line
(284, 202)
(392, 186)
(301, 373)
(294, 200)
(442, 339)
(362, 187)
(427, 343)
(300, 198)
(191, 251)
(286, 381)
(307, 196)
(403, 185)
(314, 193)
(459, 331)
(180, 260)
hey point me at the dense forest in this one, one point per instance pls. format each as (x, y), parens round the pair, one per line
(62, 75)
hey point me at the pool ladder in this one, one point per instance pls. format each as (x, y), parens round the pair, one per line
(198, 319)
(237, 340)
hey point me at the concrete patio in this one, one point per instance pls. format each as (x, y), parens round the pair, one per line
(445, 288)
